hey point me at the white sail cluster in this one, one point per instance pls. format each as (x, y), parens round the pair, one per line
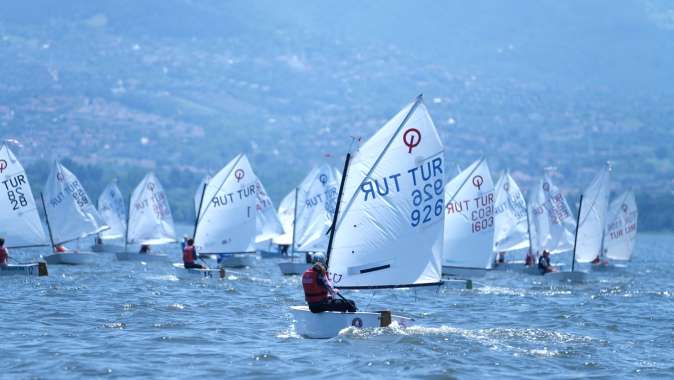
(71, 213)
(113, 211)
(19, 220)
(469, 218)
(389, 227)
(150, 219)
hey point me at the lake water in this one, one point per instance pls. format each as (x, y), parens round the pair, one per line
(120, 320)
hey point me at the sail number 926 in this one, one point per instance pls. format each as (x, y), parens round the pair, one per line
(428, 203)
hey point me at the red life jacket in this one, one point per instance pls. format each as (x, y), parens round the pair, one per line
(3, 256)
(313, 291)
(188, 255)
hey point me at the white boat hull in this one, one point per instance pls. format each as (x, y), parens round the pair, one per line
(198, 273)
(566, 277)
(29, 270)
(463, 272)
(237, 261)
(142, 257)
(107, 248)
(290, 268)
(71, 258)
(328, 324)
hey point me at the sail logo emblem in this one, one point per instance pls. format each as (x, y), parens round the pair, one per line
(478, 181)
(3, 165)
(60, 177)
(506, 187)
(624, 207)
(546, 186)
(239, 174)
(151, 186)
(323, 178)
(357, 322)
(411, 139)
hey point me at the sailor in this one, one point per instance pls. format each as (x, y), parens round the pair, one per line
(284, 249)
(60, 248)
(544, 263)
(530, 260)
(500, 258)
(190, 256)
(598, 261)
(144, 249)
(319, 292)
(4, 254)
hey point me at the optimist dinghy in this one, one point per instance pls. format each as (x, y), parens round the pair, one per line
(469, 222)
(113, 211)
(621, 231)
(19, 220)
(150, 221)
(315, 201)
(70, 216)
(389, 232)
(552, 226)
(226, 219)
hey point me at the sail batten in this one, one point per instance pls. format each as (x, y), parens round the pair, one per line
(389, 233)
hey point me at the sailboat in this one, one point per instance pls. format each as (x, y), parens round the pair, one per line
(113, 211)
(20, 222)
(589, 246)
(226, 221)
(388, 233)
(621, 228)
(286, 215)
(469, 222)
(552, 225)
(267, 223)
(511, 222)
(150, 221)
(70, 216)
(316, 198)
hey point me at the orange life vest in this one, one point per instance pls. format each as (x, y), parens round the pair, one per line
(3, 255)
(313, 291)
(188, 254)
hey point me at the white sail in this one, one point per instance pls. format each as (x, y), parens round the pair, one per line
(72, 215)
(469, 218)
(227, 220)
(267, 223)
(316, 199)
(621, 228)
(593, 217)
(199, 192)
(150, 219)
(533, 234)
(389, 227)
(510, 216)
(113, 211)
(551, 218)
(286, 214)
(20, 222)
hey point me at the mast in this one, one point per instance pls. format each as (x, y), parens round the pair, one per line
(575, 240)
(292, 252)
(339, 201)
(201, 201)
(531, 245)
(46, 217)
(126, 230)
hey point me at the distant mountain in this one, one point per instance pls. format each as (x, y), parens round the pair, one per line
(181, 86)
